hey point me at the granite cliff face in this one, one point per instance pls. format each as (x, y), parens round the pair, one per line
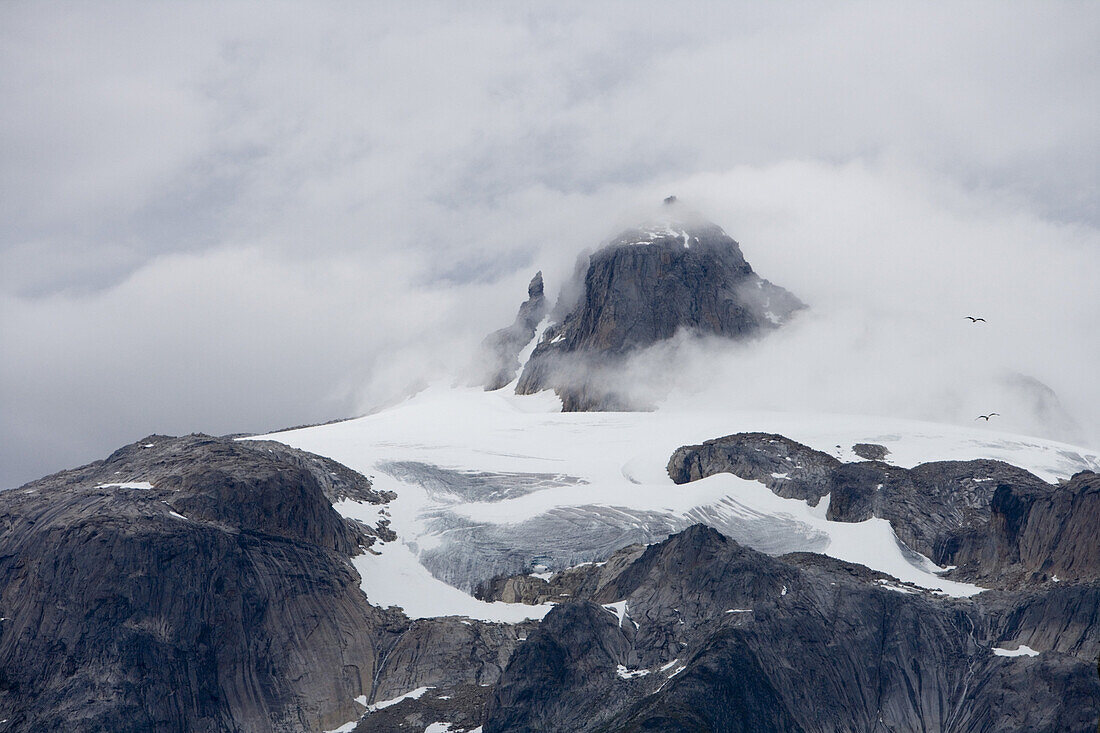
(184, 584)
(677, 274)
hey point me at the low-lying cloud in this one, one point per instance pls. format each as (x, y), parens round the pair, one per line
(891, 264)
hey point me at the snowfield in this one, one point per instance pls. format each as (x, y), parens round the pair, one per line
(492, 482)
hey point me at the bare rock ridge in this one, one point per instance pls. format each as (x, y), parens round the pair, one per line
(997, 523)
(500, 350)
(679, 273)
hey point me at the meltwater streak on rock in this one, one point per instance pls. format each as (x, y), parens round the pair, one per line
(645, 286)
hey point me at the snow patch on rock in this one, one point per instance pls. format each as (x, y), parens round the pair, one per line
(629, 674)
(126, 485)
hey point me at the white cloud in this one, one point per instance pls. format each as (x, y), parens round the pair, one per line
(890, 263)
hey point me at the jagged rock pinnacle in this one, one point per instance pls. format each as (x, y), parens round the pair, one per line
(498, 361)
(534, 290)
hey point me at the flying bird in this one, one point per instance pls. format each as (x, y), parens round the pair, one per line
(986, 417)
(974, 320)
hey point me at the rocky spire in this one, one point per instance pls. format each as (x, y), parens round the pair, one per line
(677, 272)
(499, 355)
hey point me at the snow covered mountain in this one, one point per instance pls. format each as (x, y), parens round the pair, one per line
(520, 558)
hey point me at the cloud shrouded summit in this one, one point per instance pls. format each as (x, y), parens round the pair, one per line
(676, 274)
(241, 217)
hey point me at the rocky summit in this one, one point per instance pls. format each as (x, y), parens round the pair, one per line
(678, 273)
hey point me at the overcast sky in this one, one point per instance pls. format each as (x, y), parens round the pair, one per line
(237, 217)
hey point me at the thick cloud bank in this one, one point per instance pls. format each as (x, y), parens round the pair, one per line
(238, 218)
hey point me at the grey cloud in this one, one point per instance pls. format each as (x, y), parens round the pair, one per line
(234, 217)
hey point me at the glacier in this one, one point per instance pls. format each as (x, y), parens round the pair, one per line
(492, 483)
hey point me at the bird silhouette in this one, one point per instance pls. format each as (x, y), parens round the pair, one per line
(974, 320)
(986, 417)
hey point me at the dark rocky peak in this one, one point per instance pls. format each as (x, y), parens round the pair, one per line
(677, 272)
(535, 287)
(698, 545)
(700, 556)
(588, 580)
(498, 361)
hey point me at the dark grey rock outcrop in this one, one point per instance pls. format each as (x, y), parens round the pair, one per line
(499, 354)
(998, 523)
(204, 584)
(871, 451)
(1052, 531)
(714, 636)
(645, 286)
(790, 469)
(1061, 616)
